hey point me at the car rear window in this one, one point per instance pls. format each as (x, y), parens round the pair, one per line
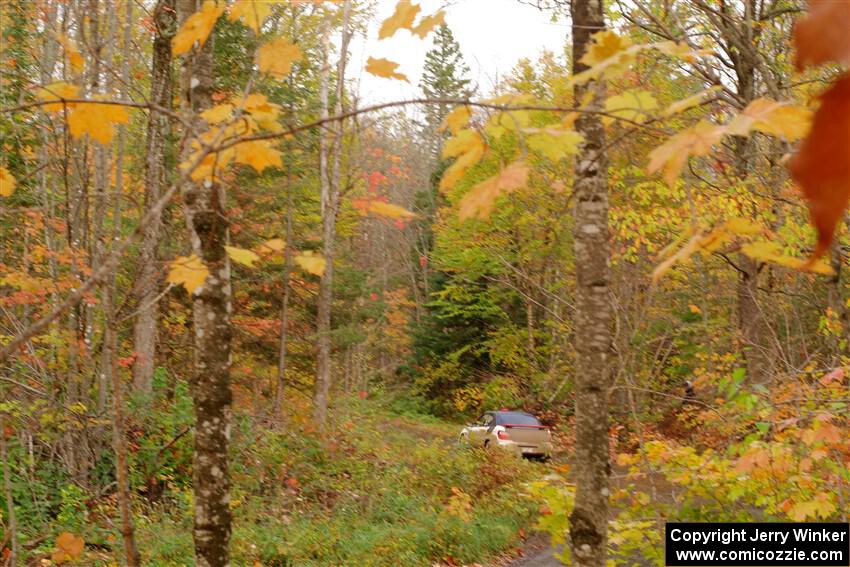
(516, 418)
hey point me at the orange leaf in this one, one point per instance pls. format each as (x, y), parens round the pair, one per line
(671, 156)
(68, 548)
(479, 201)
(384, 68)
(824, 35)
(403, 16)
(821, 166)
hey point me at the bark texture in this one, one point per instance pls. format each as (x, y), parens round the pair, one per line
(330, 206)
(148, 283)
(588, 537)
(207, 223)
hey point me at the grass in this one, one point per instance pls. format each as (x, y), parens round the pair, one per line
(381, 487)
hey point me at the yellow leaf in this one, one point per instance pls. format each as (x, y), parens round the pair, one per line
(96, 120)
(694, 309)
(680, 50)
(428, 23)
(479, 201)
(71, 52)
(468, 147)
(273, 246)
(403, 16)
(262, 111)
(7, 182)
(218, 113)
(457, 119)
(276, 57)
(68, 548)
(605, 45)
(384, 68)
(251, 12)
(690, 102)
(197, 27)
(771, 252)
(188, 271)
(257, 154)
(555, 142)
(801, 511)
(389, 210)
(634, 105)
(242, 256)
(672, 155)
(57, 91)
(772, 117)
(311, 262)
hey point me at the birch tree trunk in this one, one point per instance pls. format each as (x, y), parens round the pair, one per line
(147, 285)
(588, 537)
(207, 223)
(330, 205)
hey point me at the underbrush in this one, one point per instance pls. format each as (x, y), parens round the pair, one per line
(377, 488)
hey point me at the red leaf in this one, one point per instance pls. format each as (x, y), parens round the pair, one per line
(821, 166)
(824, 35)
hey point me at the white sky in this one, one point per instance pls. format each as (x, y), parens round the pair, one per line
(493, 35)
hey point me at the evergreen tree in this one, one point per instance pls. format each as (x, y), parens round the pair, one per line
(445, 75)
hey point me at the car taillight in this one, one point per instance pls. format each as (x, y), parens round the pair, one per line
(502, 435)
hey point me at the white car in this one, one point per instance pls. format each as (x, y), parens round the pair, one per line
(516, 431)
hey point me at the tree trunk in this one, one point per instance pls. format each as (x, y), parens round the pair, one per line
(588, 538)
(330, 205)
(284, 310)
(147, 285)
(12, 528)
(207, 223)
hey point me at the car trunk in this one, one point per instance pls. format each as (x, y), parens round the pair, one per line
(527, 434)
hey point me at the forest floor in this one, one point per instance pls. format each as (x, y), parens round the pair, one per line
(383, 486)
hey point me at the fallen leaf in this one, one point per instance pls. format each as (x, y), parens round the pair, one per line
(7, 182)
(311, 262)
(242, 256)
(68, 548)
(273, 246)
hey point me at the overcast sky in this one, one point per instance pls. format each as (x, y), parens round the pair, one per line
(493, 35)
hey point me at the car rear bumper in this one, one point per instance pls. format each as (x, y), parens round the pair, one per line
(538, 450)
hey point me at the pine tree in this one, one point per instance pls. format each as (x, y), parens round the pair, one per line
(444, 76)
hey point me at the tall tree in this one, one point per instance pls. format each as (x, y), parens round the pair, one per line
(444, 75)
(588, 537)
(330, 210)
(147, 284)
(207, 222)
